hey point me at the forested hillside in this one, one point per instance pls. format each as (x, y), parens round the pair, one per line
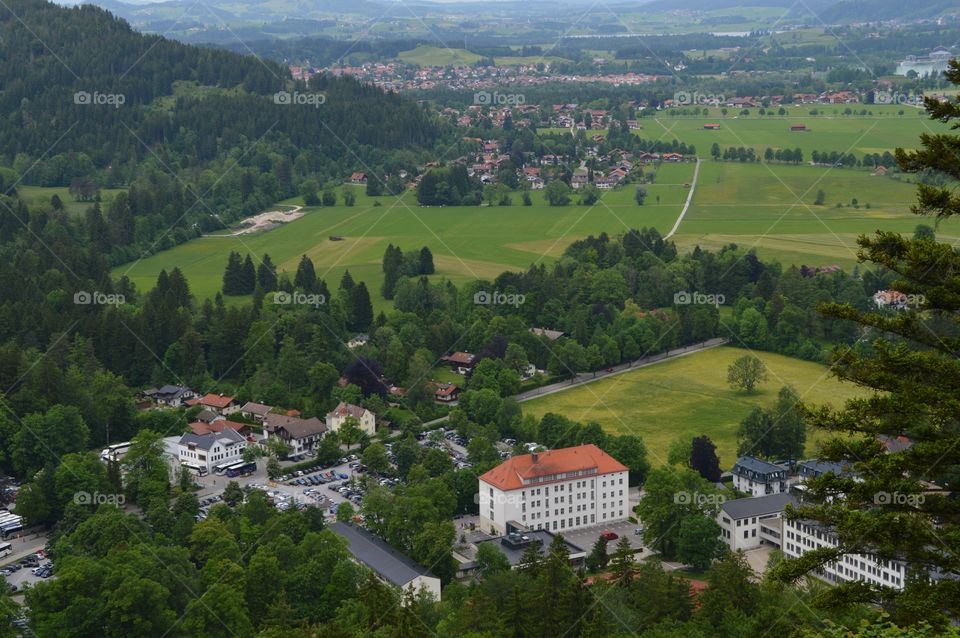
(197, 134)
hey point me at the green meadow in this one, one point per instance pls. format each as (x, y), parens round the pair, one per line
(467, 242)
(689, 396)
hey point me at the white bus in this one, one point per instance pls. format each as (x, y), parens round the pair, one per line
(5, 549)
(222, 468)
(199, 470)
(115, 451)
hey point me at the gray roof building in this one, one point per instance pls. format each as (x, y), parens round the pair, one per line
(205, 441)
(757, 506)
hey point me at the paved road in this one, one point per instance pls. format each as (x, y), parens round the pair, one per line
(686, 205)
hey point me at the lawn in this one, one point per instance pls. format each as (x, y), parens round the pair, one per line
(689, 396)
(467, 242)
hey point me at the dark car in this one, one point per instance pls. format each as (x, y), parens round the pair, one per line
(609, 535)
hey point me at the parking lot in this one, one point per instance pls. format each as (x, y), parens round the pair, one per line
(22, 572)
(587, 536)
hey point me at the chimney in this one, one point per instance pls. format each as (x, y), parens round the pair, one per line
(534, 456)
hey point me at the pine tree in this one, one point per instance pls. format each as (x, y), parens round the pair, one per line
(347, 284)
(392, 270)
(248, 276)
(426, 262)
(703, 458)
(233, 275)
(361, 310)
(306, 277)
(267, 275)
(913, 368)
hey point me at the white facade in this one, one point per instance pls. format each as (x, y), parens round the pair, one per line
(210, 450)
(366, 418)
(759, 478)
(801, 536)
(748, 523)
(557, 505)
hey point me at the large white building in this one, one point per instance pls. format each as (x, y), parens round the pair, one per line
(801, 536)
(557, 490)
(212, 449)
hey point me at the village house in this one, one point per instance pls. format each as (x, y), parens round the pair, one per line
(219, 403)
(448, 393)
(256, 411)
(358, 178)
(365, 418)
(460, 362)
(170, 396)
(300, 435)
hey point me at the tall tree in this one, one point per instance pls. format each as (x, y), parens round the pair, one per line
(267, 274)
(361, 308)
(703, 458)
(233, 275)
(306, 277)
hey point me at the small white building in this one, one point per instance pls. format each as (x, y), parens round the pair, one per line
(556, 490)
(748, 523)
(366, 418)
(758, 477)
(212, 449)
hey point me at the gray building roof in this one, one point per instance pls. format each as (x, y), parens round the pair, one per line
(747, 465)
(757, 506)
(391, 565)
(816, 467)
(206, 441)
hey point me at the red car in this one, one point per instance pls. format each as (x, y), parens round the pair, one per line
(610, 536)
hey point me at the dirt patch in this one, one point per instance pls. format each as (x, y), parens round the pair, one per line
(265, 221)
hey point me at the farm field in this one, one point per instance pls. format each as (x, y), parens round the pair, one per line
(830, 130)
(771, 207)
(689, 396)
(467, 242)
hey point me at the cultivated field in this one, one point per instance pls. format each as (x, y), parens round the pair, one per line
(467, 242)
(687, 397)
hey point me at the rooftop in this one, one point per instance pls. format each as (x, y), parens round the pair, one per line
(757, 506)
(753, 464)
(513, 551)
(205, 441)
(391, 565)
(348, 409)
(551, 465)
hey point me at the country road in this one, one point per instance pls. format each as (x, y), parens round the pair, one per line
(686, 205)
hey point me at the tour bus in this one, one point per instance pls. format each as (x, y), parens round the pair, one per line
(222, 468)
(199, 470)
(115, 451)
(241, 469)
(5, 549)
(10, 524)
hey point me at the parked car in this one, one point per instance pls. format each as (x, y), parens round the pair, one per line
(609, 535)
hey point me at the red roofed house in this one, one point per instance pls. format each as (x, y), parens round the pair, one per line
(557, 490)
(711, 127)
(461, 362)
(358, 178)
(222, 405)
(200, 428)
(447, 393)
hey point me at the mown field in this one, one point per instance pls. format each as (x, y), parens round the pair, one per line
(467, 242)
(771, 207)
(689, 396)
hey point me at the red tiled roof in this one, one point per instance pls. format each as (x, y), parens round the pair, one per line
(446, 390)
(511, 474)
(201, 428)
(348, 409)
(216, 401)
(464, 358)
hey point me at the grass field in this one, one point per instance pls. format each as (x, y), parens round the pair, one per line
(467, 242)
(40, 195)
(439, 56)
(689, 396)
(771, 207)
